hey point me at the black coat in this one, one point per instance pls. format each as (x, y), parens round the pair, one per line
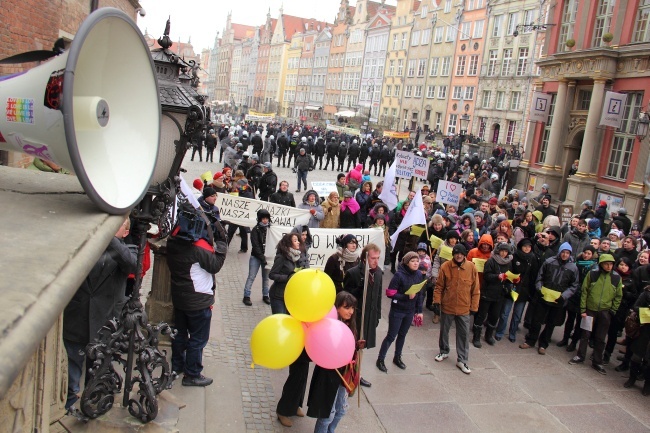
(353, 151)
(268, 184)
(494, 289)
(258, 243)
(353, 283)
(282, 270)
(101, 295)
(285, 198)
(349, 220)
(333, 269)
(322, 392)
(320, 147)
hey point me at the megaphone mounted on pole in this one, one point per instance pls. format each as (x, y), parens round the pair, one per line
(94, 110)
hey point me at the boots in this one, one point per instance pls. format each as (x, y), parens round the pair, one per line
(489, 335)
(635, 371)
(476, 341)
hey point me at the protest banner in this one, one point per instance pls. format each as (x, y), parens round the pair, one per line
(323, 188)
(323, 243)
(397, 135)
(404, 164)
(344, 129)
(449, 192)
(243, 211)
(420, 167)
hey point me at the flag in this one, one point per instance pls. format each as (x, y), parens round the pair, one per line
(414, 215)
(613, 109)
(185, 189)
(389, 192)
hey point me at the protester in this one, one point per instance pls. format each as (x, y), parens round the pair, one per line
(257, 259)
(345, 257)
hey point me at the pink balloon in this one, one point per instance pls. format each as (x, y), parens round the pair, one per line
(329, 343)
(333, 314)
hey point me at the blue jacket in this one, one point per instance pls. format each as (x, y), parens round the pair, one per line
(399, 284)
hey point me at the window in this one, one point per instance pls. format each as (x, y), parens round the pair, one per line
(391, 68)
(451, 127)
(485, 99)
(469, 93)
(398, 91)
(547, 131)
(460, 65)
(633, 105)
(447, 6)
(515, 97)
(446, 63)
(513, 20)
(418, 91)
(395, 46)
(584, 98)
(500, 99)
(512, 126)
(404, 40)
(411, 69)
(389, 89)
(568, 20)
(431, 91)
(478, 29)
(642, 30)
(482, 123)
(451, 34)
(438, 120)
(408, 90)
(473, 65)
(620, 157)
(492, 63)
(422, 67)
(497, 26)
(415, 38)
(603, 21)
(433, 69)
(529, 18)
(400, 67)
(437, 34)
(442, 92)
(427, 115)
(505, 63)
(457, 93)
(423, 11)
(426, 35)
(522, 62)
(465, 30)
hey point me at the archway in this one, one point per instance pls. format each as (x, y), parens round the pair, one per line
(572, 150)
(496, 129)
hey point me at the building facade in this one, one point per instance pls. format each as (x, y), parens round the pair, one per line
(333, 101)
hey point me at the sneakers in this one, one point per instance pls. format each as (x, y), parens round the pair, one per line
(576, 360)
(441, 357)
(599, 368)
(247, 301)
(463, 367)
(266, 300)
(199, 380)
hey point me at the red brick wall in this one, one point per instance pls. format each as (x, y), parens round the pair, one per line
(34, 25)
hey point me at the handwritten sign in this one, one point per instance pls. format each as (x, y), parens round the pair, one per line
(243, 211)
(324, 188)
(449, 192)
(420, 167)
(404, 164)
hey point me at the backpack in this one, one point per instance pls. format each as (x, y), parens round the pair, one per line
(353, 184)
(595, 273)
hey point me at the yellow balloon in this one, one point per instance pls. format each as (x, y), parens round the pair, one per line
(277, 341)
(309, 295)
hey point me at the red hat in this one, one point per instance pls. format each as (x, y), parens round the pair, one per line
(493, 201)
(226, 169)
(603, 203)
(217, 175)
(198, 184)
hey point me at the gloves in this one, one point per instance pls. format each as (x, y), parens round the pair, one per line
(436, 309)
(516, 280)
(502, 277)
(312, 211)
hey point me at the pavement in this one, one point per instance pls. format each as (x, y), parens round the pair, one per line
(509, 389)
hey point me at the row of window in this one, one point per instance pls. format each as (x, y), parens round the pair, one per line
(507, 62)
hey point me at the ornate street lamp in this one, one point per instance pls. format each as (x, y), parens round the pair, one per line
(642, 125)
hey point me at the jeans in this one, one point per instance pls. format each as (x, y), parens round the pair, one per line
(328, 425)
(462, 335)
(254, 264)
(399, 323)
(76, 356)
(514, 322)
(302, 175)
(193, 333)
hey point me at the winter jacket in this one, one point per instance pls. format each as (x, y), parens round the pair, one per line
(601, 291)
(578, 241)
(526, 266)
(560, 276)
(457, 288)
(258, 242)
(282, 269)
(493, 289)
(317, 217)
(350, 217)
(353, 282)
(333, 269)
(304, 162)
(268, 184)
(101, 294)
(399, 284)
(363, 199)
(192, 266)
(284, 198)
(622, 252)
(332, 214)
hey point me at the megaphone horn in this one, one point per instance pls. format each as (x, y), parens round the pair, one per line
(94, 110)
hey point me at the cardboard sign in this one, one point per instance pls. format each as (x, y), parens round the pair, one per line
(566, 211)
(420, 167)
(404, 164)
(243, 211)
(479, 264)
(324, 188)
(449, 192)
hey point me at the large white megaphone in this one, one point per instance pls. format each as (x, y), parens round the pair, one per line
(94, 110)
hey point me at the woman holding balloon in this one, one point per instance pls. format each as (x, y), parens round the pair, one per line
(403, 308)
(328, 397)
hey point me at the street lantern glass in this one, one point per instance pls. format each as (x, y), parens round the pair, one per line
(464, 122)
(642, 126)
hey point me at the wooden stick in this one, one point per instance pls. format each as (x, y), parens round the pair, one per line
(366, 272)
(345, 384)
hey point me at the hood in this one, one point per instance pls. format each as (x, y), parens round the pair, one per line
(564, 246)
(359, 168)
(311, 191)
(472, 221)
(486, 239)
(378, 205)
(298, 230)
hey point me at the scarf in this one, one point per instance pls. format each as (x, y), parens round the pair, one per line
(346, 256)
(501, 260)
(350, 204)
(294, 254)
(263, 224)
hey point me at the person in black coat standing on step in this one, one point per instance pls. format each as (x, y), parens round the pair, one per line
(332, 151)
(319, 152)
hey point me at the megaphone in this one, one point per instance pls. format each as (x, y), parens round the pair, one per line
(94, 110)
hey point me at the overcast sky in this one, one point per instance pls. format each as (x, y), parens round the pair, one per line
(201, 19)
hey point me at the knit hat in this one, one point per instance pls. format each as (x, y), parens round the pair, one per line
(422, 246)
(217, 175)
(268, 165)
(635, 227)
(436, 219)
(409, 256)
(565, 246)
(589, 248)
(452, 234)
(545, 186)
(602, 203)
(479, 213)
(242, 182)
(346, 239)
(523, 242)
(347, 194)
(452, 218)
(198, 184)
(459, 249)
(593, 224)
(208, 191)
(616, 232)
(501, 246)
(493, 201)
(380, 217)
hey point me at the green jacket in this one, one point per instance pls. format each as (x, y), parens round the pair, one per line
(601, 294)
